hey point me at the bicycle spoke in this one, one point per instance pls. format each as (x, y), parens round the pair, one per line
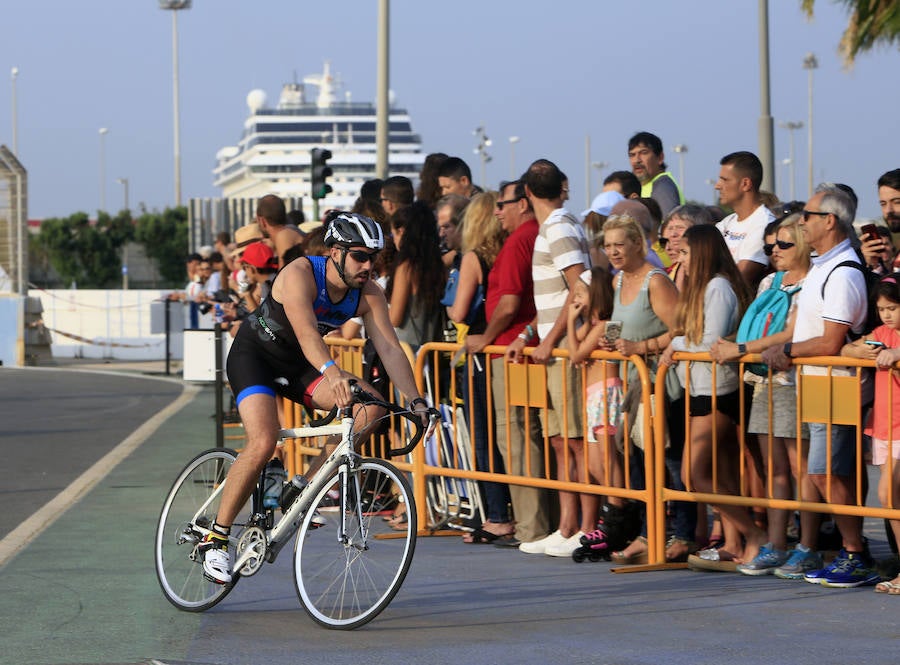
(345, 574)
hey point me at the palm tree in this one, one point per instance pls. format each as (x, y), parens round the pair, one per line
(872, 23)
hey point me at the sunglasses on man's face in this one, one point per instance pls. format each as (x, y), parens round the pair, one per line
(360, 256)
(500, 204)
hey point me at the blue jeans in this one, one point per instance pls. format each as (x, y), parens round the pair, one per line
(843, 449)
(495, 495)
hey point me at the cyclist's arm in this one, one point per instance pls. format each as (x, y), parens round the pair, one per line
(374, 311)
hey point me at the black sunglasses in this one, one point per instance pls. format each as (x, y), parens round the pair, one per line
(500, 204)
(768, 248)
(809, 213)
(360, 256)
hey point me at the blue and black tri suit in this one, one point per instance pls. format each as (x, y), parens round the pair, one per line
(266, 356)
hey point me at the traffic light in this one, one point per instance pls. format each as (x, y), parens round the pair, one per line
(319, 171)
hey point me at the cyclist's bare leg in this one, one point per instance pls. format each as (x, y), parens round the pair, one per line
(364, 415)
(260, 418)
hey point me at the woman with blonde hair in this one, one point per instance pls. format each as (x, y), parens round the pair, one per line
(644, 302)
(482, 237)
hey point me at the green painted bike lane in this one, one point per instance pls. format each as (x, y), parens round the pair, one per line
(84, 591)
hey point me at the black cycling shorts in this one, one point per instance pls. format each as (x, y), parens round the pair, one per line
(255, 367)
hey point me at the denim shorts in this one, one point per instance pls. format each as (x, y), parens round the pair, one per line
(843, 449)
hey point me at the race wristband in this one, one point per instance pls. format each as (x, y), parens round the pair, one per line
(322, 369)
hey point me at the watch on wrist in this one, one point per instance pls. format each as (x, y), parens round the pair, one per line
(787, 349)
(742, 348)
(417, 400)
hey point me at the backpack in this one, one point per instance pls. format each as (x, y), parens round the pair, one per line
(766, 316)
(872, 318)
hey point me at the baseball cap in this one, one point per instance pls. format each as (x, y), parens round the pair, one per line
(604, 202)
(259, 255)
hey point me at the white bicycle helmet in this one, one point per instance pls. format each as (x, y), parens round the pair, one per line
(351, 230)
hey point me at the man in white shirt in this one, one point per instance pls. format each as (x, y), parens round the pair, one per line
(828, 308)
(739, 181)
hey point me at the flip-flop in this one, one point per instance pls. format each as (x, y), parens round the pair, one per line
(891, 587)
(509, 540)
(480, 536)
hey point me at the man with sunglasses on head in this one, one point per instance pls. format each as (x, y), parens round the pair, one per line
(279, 350)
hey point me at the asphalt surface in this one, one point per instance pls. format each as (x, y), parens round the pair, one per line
(84, 589)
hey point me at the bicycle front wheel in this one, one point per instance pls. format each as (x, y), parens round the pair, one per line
(193, 501)
(349, 569)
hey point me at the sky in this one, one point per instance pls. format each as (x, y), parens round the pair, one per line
(556, 75)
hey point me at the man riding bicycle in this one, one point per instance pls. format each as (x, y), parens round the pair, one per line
(279, 350)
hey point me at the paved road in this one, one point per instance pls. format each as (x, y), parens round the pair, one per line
(56, 423)
(85, 592)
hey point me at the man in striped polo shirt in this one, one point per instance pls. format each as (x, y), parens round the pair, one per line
(561, 254)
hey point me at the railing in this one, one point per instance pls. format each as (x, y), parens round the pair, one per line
(826, 398)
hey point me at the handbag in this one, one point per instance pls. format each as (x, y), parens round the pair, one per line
(637, 428)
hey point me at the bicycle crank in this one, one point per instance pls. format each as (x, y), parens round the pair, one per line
(251, 551)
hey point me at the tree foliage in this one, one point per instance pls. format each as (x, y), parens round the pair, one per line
(84, 253)
(165, 240)
(90, 254)
(872, 23)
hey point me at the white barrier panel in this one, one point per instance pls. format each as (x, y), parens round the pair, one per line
(200, 355)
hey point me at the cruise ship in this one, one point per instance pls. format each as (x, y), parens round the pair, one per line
(273, 154)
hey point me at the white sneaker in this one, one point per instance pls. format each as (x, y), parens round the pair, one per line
(540, 546)
(566, 547)
(217, 565)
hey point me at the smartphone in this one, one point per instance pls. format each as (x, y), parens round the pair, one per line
(871, 232)
(876, 343)
(613, 330)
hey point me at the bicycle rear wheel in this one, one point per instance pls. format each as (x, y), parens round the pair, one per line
(347, 571)
(193, 500)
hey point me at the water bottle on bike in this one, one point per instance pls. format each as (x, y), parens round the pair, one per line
(274, 478)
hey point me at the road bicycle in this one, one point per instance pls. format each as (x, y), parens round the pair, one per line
(349, 563)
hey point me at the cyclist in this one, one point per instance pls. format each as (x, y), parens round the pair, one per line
(279, 349)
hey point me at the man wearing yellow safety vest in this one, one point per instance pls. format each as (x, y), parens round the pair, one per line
(645, 152)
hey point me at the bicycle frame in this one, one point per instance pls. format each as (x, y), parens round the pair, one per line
(287, 526)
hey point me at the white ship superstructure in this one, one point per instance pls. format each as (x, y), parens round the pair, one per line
(273, 154)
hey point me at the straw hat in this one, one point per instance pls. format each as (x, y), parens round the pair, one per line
(244, 236)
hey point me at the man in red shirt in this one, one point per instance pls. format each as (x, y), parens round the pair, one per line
(509, 307)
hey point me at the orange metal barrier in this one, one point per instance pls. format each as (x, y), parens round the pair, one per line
(827, 398)
(348, 355)
(526, 386)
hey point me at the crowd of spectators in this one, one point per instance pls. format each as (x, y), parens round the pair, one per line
(641, 272)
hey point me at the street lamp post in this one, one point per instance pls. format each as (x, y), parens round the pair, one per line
(14, 74)
(791, 127)
(512, 156)
(124, 183)
(810, 63)
(599, 166)
(712, 183)
(103, 132)
(481, 150)
(174, 6)
(789, 163)
(680, 149)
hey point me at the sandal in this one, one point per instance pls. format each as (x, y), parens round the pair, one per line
(891, 587)
(678, 549)
(636, 558)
